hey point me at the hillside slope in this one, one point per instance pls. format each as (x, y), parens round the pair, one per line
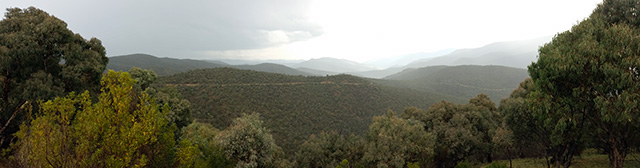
(273, 68)
(293, 107)
(161, 66)
(170, 66)
(465, 81)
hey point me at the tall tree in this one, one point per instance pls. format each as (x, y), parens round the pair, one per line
(589, 78)
(198, 148)
(41, 59)
(529, 135)
(328, 149)
(486, 118)
(461, 132)
(395, 142)
(248, 143)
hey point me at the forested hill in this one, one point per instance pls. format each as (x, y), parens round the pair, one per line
(161, 66)
(293, 107)
(464, 81)
(273, 68)
(170, 66)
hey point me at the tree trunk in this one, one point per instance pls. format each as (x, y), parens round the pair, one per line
(617, 156)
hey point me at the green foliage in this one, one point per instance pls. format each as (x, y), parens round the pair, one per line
(248, 143)
(393, 141)
(41, 59)
(198, 148)
(618, 12)
(143, 77)
(413, 164)
(587, 82)
(460, 131)
(343, 164)
(497, 165)
(179, 111)
(188, 155)
(293, 107)
(463, 164)
(503, 142)
(329, 148)
(529, 134)
(114, 132)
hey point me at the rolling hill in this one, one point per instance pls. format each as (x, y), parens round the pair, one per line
(273, 68)
(293, 107)
(162, 66)
(170, 66)
(463, 81)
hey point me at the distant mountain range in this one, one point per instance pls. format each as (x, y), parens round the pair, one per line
(334, 65)
(400, 61)
(518, 54)
(497, 81)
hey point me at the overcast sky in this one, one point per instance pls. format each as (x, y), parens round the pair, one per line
(358, 30)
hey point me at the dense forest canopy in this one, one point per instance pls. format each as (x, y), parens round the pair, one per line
(293, 107)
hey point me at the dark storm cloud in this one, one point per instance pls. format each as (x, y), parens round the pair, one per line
(184, 28)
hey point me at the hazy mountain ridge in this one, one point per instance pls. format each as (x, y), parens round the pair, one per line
(334, 65)
(517, 54)
(463, 81)
(400, 61)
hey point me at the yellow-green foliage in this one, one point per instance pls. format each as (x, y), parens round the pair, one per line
(123, 129)
(198, 149)
(188, 155)
(343, 164)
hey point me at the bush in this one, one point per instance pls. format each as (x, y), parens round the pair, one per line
(497, 165)
(463, 164)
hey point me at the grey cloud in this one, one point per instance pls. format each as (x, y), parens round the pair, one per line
(183, 28)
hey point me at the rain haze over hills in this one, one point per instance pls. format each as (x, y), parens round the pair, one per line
(378, 34)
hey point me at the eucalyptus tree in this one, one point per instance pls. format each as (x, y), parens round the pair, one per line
(588, 82)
